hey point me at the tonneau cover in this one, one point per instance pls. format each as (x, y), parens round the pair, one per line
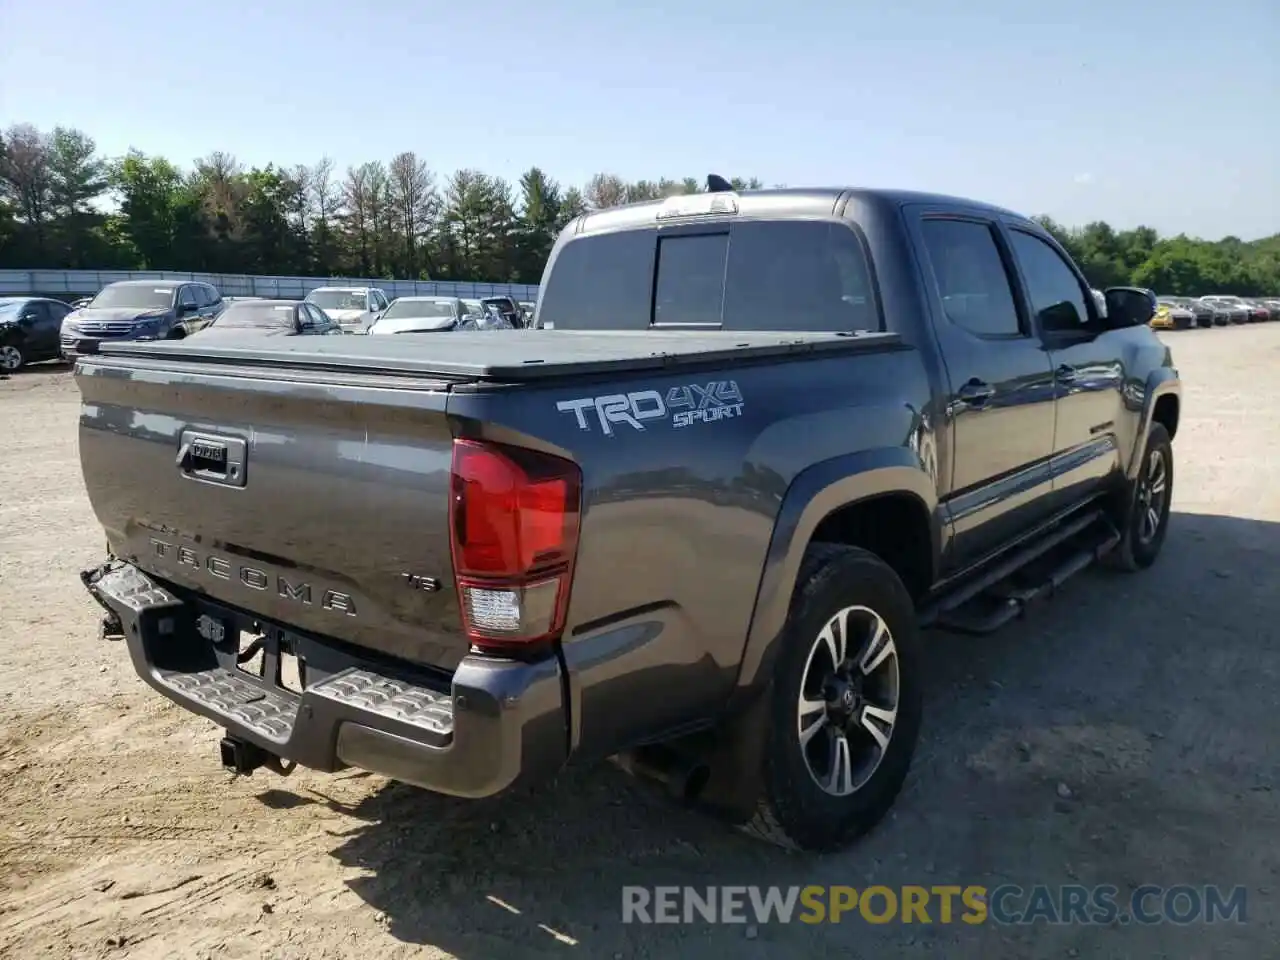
(504, 355)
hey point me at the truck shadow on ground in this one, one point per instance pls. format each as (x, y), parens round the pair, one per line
(1070, 747)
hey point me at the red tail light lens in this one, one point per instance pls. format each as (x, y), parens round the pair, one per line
(514, 535)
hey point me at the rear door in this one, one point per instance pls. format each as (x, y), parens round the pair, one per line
(1001, 402)
(188, 309)
(45, 329)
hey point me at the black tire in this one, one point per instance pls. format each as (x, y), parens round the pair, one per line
(1135, 550)
(794, 810)
(13, 358)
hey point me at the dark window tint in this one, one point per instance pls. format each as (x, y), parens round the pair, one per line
(600, 282)
(798, 275)
(971, 277)
(187, 296)
(690, 287)
(58, 310)
(36, 312)
(1056, 295)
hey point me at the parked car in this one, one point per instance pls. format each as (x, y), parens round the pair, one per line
(29, 328)
(471, 607)
(506, 307)
(420, 315)
(1259, 312)
(354, 308)
(1202, 313)
(492, 317)
(270, 318)
(1171, 315)
(474, 307)
(140, 310)
(1236, 312)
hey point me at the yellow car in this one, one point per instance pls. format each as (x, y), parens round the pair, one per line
(1172, 316)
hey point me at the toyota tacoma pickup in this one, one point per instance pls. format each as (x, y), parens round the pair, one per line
(699, 527)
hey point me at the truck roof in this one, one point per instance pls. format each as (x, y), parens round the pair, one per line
(787, 202)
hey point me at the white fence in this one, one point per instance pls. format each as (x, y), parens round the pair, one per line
(87, 282)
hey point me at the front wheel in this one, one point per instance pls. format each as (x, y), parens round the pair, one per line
(845, 703)
(11, 358)
(1144, 521)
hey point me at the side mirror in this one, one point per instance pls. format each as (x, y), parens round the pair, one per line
(186, 309)
(1062, 316)
(1130, 306)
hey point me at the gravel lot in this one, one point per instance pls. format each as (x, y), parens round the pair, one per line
(1126, 734)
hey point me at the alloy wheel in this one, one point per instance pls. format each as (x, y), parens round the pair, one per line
(848, 703)
(1153, 497)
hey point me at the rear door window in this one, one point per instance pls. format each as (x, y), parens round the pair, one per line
(970, 277)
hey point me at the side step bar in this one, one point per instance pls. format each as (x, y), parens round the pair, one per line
(1032, 573)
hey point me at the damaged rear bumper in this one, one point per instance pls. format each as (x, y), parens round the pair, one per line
(471, 734)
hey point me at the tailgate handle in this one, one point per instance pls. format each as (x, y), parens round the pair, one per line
(213, 459)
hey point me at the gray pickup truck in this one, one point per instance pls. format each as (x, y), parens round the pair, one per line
(698, 527)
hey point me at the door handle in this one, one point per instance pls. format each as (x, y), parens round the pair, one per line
(976, 392)
(1065, 374)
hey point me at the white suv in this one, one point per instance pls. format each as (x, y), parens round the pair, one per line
(352, 308)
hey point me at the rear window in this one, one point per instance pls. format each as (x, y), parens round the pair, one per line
(257, 315)
(756, 275)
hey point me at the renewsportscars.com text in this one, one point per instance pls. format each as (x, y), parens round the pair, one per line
(940, 903)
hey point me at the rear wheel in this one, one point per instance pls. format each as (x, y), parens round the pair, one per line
(844, 704)
(11, 358)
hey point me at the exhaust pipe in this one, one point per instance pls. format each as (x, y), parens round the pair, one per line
(682, 776)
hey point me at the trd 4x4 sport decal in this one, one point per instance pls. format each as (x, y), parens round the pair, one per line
(681, 407)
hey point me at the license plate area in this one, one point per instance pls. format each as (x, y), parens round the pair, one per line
(257, 650)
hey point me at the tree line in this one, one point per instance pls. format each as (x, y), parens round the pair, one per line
(63, 205)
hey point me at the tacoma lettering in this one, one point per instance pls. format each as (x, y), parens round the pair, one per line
(253, 578)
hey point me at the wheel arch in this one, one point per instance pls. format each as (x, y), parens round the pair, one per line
(861, 499)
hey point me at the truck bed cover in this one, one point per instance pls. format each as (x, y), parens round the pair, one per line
(526, 355)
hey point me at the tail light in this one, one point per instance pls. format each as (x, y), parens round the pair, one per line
(513, 520)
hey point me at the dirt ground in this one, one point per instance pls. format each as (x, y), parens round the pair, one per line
(1126, 734)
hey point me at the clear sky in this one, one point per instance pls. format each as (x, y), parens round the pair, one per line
(1163, 113)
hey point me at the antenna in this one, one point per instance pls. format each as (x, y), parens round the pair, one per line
(718, 184)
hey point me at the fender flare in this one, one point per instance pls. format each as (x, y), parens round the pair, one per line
(814, 494)
(1160, 383)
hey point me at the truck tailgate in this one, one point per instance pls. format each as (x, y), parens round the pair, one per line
(320, 502)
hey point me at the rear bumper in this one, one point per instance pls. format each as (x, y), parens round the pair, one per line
(473, 734)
